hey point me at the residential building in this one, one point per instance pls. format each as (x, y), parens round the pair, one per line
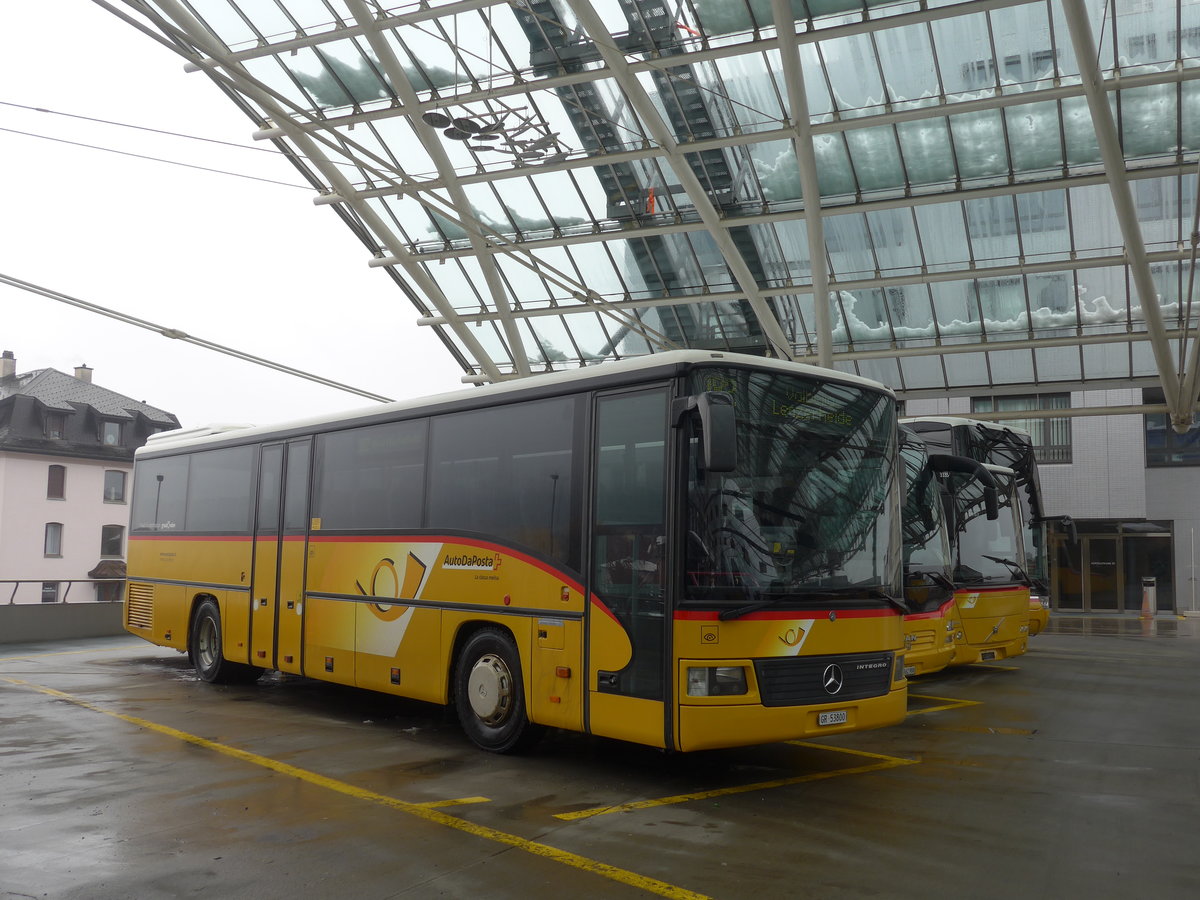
(66, 469)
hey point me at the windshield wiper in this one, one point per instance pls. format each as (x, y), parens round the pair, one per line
(964, 574)
(941, 580)
(1017, 570)
(738, 611)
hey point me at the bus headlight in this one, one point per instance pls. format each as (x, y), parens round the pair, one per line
(716, 681)
(898, 673)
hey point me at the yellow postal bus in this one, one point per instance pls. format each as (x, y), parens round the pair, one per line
(933, 625)
(688, 550)
(1012, 448)
(992, 587)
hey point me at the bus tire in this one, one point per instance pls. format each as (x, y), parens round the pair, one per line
(207, 654)
(490, 695)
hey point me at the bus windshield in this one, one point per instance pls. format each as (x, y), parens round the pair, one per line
(811, 513)
(926, 537)
(985, 552)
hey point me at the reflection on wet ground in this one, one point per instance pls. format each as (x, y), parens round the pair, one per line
(1124, 626)
(124, 776)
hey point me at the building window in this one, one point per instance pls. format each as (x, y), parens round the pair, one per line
(114, 486)
(56, 483)
(1144, 47)
(980, 73)
(53, 542)
(112, 539)
(1163, 446)
(1043, 62)
(49, 591)
(1051, 437)
(56, 426)
(1190, 45)
(110, 434)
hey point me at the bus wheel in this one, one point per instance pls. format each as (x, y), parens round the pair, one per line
(204, 648)
(489, 693)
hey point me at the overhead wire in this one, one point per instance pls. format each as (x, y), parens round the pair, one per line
(146, 128)
(170, 162)
(190, 137)
(178, 335)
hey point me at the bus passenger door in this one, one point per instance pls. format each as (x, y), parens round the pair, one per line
(627, 624)
(293, 556)
(279, 556)
(264, 585)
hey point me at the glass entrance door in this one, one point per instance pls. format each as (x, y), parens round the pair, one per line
(1103, 585)
(1067, 573)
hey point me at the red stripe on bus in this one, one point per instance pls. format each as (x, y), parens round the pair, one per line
(689, 615)
(935, 614)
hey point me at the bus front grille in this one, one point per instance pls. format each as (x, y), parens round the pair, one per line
(802, 680)
(139, 605)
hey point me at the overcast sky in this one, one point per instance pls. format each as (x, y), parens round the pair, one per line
(247, 264)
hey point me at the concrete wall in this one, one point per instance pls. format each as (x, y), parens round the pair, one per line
(1173, 494)
(1106, 478)
(21, 622)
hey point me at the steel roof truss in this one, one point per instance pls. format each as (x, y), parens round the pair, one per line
(1078, 26)
(653, 122)
(194, 33)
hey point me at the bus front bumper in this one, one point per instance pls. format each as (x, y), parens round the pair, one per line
(709, 727)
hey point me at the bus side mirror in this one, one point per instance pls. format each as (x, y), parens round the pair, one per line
(991, 502)
(1066, 523)
(718, 427)
(944, 462)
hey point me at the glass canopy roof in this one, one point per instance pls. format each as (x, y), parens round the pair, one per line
(995, 195)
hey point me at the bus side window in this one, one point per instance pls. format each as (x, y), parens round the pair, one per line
(507, 474)
(368, 478)
(219, 494)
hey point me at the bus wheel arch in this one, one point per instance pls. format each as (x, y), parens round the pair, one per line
(206, 648)
(489, 691)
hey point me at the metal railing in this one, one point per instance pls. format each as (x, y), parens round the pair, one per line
(16, 583)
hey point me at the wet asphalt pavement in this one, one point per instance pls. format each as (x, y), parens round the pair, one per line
(1073, 771)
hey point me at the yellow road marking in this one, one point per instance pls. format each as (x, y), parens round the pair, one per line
(849, 750)
(996, 667)
(948, 703)
(461, 801)
(888, 762)
(421, 811)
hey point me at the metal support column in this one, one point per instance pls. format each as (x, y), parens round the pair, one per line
(806, 160)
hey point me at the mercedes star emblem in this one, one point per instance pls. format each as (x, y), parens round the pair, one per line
(831, 679)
